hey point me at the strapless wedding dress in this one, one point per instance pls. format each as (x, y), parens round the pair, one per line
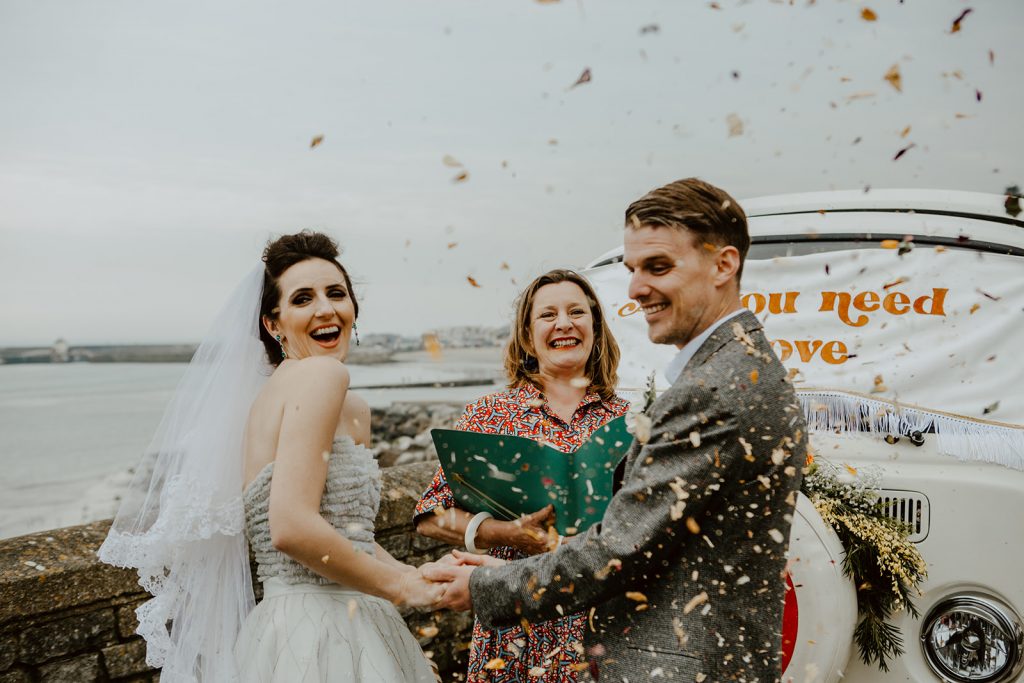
(307, 629)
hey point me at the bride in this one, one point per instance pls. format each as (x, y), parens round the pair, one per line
(283, 462)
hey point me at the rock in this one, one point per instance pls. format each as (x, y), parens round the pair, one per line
(15, 676)
(67, 636)
(8, 650)
(126, 659)
(77, 670)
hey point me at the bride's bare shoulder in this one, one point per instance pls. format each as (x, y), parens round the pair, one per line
(314, 374)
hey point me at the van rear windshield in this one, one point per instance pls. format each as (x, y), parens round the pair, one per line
(774, 246)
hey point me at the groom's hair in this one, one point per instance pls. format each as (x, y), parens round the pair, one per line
(280, 255)
(707, 212)
(520, 362)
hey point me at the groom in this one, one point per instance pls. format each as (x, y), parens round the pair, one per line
(683, 578)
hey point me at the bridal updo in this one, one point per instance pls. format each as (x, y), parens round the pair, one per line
(280, 255)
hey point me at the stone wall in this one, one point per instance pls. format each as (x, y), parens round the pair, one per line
(66, 617)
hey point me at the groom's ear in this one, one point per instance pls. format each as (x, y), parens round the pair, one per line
(727, 264)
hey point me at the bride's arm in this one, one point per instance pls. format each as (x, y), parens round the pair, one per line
(314, 394)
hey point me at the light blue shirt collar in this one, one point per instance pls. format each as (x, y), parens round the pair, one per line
(678, 363)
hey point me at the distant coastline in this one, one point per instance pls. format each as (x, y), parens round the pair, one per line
(374, 349)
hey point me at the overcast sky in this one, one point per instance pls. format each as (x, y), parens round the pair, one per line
(148, 148)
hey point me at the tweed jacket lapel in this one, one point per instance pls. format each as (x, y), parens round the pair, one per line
(724, 334)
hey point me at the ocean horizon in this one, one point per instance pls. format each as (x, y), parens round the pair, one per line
(74, 431)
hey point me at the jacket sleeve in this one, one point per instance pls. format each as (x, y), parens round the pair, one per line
(695, 453)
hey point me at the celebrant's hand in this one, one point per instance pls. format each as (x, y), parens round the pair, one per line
(470, 559)
(455, 580)
(530, 533)
(417, 591)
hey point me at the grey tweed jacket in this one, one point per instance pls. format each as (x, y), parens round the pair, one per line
(682, 579)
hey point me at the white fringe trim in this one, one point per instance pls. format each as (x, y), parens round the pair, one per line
(962, 438)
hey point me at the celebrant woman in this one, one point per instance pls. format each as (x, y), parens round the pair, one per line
(264, 440)
(561, 364)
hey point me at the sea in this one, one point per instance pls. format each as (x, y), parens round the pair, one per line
(71, 433)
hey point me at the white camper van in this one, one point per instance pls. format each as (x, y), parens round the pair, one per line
(900, 315)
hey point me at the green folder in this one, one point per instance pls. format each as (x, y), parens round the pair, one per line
(511, 476)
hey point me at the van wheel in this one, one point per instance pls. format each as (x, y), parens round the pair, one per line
(820, 612)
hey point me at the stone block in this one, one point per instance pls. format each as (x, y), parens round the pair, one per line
(422, 543)
(8, 651)
(67, 636)
(126, 659)
(78, 670)
(15, 676)
(397, 545)
(402, 487)
(58, 569)
(127, 622)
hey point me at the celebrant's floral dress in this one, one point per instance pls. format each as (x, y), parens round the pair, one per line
(551, 646)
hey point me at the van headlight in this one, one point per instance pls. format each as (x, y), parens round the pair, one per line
(973, 638)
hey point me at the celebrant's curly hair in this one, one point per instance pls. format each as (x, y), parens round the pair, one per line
(280, 255)
(520, 363)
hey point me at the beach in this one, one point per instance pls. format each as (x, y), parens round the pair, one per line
(74, 431)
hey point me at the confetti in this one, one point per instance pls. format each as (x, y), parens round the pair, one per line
(974, 307)
(868, 15)
(905, 132)
(353, 607)
(753, 373)
(776, 535)
(985, 294)
(317, 139)
(504, 266)
(428, 631)
(449, 160)
(642, 428)
(432, 345)
(893, 76)
(991, 408)
(649, 28)
(584, 78)
(696, 601)
(692, 526)
(902, 152)
(1012, 203)
(735, 124)
(496, 664)
(462, 177)
(471, 280)
(851, 470)
(636, 596)
(452, 245)
(325, 558)
(695, 438)
(959, 20)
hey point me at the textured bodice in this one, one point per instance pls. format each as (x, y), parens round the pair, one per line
(350, 501)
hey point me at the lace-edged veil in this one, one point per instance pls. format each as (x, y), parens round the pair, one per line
(181, 524)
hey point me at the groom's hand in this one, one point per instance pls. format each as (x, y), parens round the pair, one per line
(456, 584)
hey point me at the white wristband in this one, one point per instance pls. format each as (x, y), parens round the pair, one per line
(471, 529)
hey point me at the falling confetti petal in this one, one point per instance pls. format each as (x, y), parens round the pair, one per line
(649, 28)
(893, 76)
(461, 177)
(991, 408)
(471, 280)
(316, 141)
(452, 245)
(449, 160)
(956, 22)
(428, 631)
(905, 132)
(901, 153)
(735, 124)
(584, 78)
(496, 664)
(432, 345)
(1012, 203)
(868, 15)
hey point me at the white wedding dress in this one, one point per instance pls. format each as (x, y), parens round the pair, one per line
(308, 629)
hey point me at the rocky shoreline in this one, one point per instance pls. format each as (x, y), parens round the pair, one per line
(401, 431)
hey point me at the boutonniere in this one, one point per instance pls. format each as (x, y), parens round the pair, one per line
(638, 419)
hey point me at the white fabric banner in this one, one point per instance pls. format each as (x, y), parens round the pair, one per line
(928, 333)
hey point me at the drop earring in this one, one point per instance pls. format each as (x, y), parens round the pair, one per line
(284, 354)
(355, 331)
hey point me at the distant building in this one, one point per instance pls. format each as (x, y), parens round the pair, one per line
(59, 352)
